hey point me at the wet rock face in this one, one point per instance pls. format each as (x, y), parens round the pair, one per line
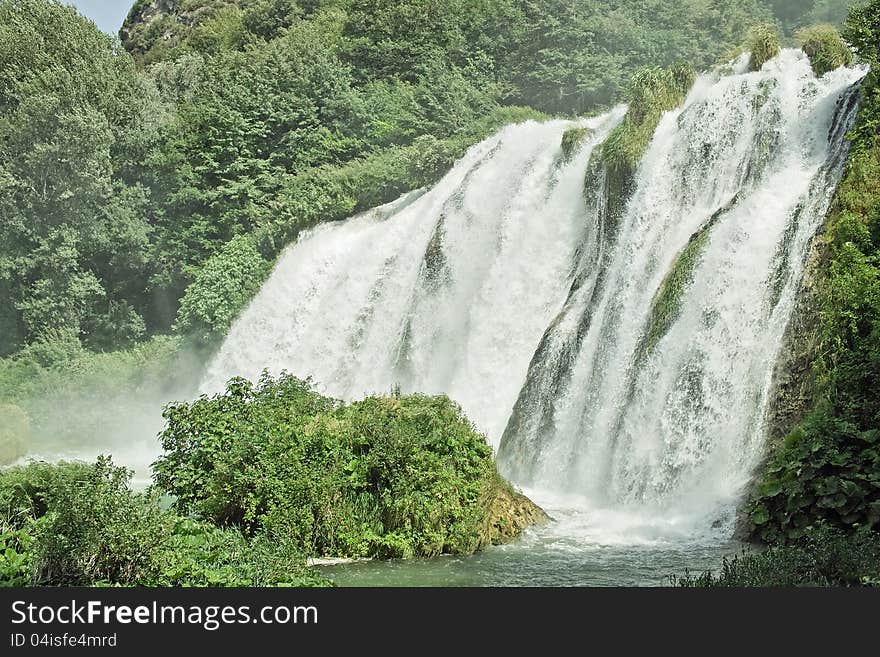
(509, 513)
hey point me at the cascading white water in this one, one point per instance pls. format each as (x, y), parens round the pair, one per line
(443, 292)
(747, 168)
(501, 288)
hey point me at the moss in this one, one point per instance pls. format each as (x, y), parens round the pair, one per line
(508, 513)
(825, 47)
(666, 304)
(572, 140)
(15, 432)
(435, 265)
(651, 93)
(762, 42)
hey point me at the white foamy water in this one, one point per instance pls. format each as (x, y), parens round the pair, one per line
(504, 287)
(445, 292)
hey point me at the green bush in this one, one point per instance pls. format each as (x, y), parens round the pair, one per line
(201, 554)
(762, 42)
(862, 30)
(25, 491)
(16, 560)
(221, 289)
(825, 47)
(96, 530)
(822, 557)
(399, 476)
(827, 470)
(78, 524)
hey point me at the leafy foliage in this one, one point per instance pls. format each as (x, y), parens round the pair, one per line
(74, 397)
(77, 117)
(822, 557)
(225, 283)
(862, 28)
(123, 173)
(398, 476)
(80, 524)
(826, 470)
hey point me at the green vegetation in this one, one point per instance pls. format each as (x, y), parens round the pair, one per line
(147, 186)
(384, 477)
(821, 557)
(762, 42)
(828, 468)
(651, 93)
(77, 524)
(77, 118)
(572, 140)
(264, 477)
(667, 301)
(15, 431)
(825, 47)
(221, 288)
(73, 397)
(125, 173)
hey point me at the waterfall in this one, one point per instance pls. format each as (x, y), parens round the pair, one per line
(629, 370)
(446, 291)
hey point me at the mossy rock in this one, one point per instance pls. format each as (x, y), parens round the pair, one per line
(651, 93)
(666, 305)
(762, 42)
(508, 514)
(15, 433)
(667, 302)
(572, 140)
(825, 47)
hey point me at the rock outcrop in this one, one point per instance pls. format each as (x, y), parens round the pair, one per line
(509, 513)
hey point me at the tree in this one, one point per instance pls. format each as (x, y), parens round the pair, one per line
(78, 119)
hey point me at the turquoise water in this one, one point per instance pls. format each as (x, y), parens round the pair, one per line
(518, 565)
(580, 547)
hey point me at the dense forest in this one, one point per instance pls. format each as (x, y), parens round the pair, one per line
(148, 183)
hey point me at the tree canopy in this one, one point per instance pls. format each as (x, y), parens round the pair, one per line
(125, 166)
